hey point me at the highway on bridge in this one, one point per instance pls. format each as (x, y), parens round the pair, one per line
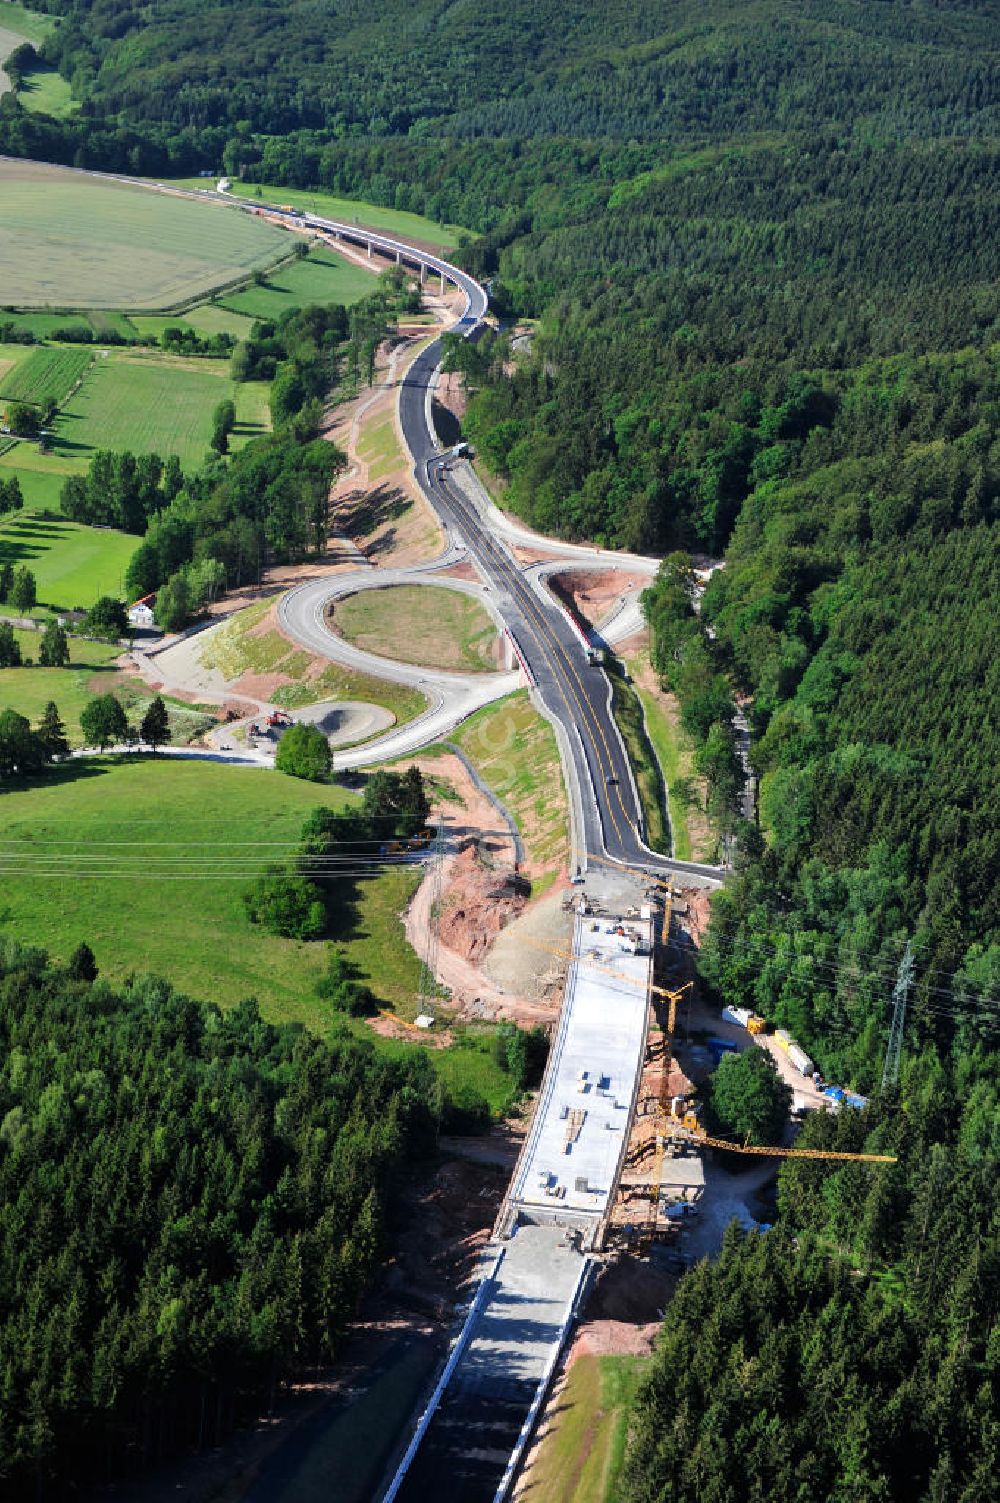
(574, 691)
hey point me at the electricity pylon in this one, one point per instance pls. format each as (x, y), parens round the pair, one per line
(894, 1048)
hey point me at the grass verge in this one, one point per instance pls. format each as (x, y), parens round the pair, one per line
(340, 1458)
(241, 646)
(437, 628)
(694, 837)
(580, 1458)
(627, 709)
(515, 752)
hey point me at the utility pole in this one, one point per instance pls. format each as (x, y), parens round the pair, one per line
(428, 980)
(894, 1048)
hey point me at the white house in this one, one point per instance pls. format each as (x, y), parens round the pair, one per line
(141, 613)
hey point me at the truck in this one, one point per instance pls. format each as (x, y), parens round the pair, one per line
(738, 1015)
(800, 1059)
(783, 1039)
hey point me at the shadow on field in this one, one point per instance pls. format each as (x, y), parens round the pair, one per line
(72, 771)
(367, 510)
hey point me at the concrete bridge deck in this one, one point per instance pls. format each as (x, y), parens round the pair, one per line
(469, 1441)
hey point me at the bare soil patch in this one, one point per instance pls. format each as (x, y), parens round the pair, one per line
(593, 593)
(451, 394)
(473, 903)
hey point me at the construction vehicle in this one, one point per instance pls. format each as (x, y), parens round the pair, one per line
(279, 718)
(681, 1117)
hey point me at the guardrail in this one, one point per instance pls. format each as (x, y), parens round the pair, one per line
(514, 1461)
(455, 1356)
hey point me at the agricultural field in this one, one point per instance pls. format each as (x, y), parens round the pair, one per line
(352, 211)
(46, 92)
(47, 375)
(152, 403)
(138, 857)
(320, 277)
(438, 628)
(72, 564)
(12, 355)
(72, 241)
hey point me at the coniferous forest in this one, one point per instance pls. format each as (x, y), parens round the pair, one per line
(752, 252)
(191, 1206)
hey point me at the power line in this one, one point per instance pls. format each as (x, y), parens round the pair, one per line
(894, 1048)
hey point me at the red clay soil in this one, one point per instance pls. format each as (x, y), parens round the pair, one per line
(460, 571)
(699, 906)
(479, 903)
(593, 592)
(468, 914)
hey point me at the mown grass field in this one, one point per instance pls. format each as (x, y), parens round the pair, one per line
(46, 92)
(514, 750)
(149, 860)
(240, 647)
(41, 476)
(45, 325)
(438, 628)
(72, 241)
(351, 211)
(321, 277)
(206, 318)
(146, 859)
(579, 1459)
(90, 671)
(72, 564)
(152, 403)
(28, 690)
(47, 375)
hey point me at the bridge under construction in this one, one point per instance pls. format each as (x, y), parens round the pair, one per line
(469, 1441)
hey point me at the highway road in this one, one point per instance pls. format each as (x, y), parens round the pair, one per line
(574, 691)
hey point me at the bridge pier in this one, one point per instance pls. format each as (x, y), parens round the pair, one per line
(423, 273)
(442, 284)
(369, 245)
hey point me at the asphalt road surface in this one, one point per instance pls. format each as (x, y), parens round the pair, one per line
(574, 691)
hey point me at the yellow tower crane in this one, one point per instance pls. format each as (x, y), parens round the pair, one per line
(686, 1127)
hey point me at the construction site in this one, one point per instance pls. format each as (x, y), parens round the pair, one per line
(612, 1165)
